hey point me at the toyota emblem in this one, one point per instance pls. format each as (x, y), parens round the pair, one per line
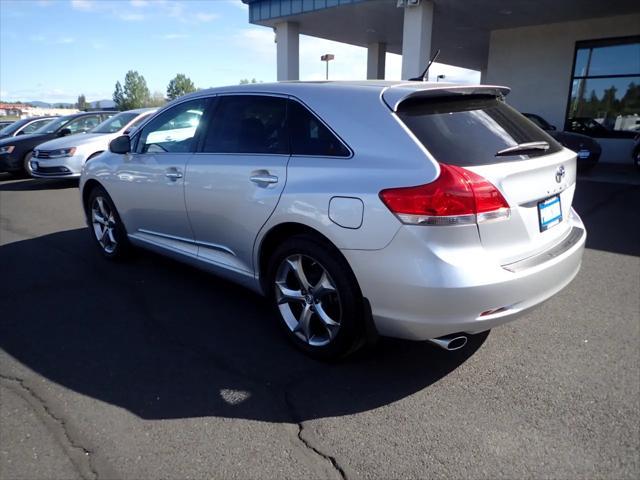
(560, 173)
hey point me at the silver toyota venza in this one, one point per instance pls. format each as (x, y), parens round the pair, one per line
(413, 210)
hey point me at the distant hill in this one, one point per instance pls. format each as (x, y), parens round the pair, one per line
(37, 103)
(97, 104)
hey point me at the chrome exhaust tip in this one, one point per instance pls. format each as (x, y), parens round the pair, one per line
(450, 342)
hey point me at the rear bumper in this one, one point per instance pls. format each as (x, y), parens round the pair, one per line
(421, 288)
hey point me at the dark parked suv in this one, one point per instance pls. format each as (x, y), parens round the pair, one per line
(15, 152)
(587, 148)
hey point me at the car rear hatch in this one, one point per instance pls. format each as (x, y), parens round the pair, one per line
(475, 129)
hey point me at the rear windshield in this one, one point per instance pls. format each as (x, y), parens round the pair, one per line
(472, 130)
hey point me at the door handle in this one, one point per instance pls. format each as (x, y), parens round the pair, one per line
(173, 174)
(264, 178)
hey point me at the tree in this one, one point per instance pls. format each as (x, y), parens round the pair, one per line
(156, 100)
(82, 102)
(134, 94)
(180, 85)
(118, 96)
(245, 81)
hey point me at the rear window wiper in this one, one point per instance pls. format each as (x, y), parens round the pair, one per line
(523, 147)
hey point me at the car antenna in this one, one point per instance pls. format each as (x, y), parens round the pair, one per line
(423, 76)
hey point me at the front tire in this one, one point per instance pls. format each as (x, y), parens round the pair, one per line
(26, 165)
(316, 297)
(105, 226)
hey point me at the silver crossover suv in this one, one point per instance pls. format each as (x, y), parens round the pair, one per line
(413, 210)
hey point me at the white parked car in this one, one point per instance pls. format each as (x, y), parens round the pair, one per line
(180, 128)
(65, 157)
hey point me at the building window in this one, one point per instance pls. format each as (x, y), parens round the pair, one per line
(605, 88)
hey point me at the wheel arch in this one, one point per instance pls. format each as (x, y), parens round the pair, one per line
(87, 188)
(94, 154)
(277, 234)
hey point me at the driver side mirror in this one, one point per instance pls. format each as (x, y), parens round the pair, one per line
(121, 144)
(64, 132)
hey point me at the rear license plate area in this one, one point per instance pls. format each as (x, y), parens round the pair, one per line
(549, 212)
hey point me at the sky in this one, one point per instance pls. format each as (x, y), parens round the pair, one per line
(55, 50)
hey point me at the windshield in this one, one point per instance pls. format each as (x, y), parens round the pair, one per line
(12, 127)
(138, 121)
(53, 126)
(115, 123)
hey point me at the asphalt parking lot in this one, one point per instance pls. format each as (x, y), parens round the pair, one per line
(151, 369)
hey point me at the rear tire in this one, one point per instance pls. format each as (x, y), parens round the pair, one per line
(316, 298)
(105, 226)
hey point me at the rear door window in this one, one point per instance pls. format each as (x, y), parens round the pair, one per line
(32, 127)
(249, 124)
(470, 131)
(83, 124)
(309, 136)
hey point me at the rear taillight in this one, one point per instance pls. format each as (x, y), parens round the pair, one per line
(456, 197)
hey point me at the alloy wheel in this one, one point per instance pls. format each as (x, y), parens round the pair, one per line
(308, 300)
(104, 224)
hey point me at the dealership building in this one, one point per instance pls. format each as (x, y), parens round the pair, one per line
(575, 63)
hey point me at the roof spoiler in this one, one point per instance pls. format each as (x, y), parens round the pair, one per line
(395, 95)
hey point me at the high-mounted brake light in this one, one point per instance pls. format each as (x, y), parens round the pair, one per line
(457, 197)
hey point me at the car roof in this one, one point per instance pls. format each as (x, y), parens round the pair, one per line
(83, 114)
(94, 112)
(140, 110)
(31, 119)
(393, 92)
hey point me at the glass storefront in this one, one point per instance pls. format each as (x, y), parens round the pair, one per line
(605, 89)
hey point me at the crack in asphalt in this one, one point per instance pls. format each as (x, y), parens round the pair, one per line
(222, 364)
(159, 332)
(85, 454)
(306, 442)
(225, 366)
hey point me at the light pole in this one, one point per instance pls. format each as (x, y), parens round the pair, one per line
(327, 57)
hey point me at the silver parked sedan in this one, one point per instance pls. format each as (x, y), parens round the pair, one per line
(64, 157)
(413, 210)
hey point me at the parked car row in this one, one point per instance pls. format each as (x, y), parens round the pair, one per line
(64, 157)
(52, 147)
